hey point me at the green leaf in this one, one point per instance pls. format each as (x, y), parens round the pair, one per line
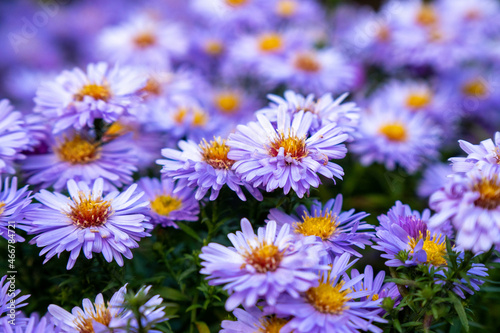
(202, 327)
(457, 303)
(188, 230)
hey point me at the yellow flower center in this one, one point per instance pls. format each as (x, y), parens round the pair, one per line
(395, 131)
(102, 315)
(200, 118)
(116, 129)
(475, 88)
(152, 88)
(427, 16)
(144, 40)
(270, 42)
(417, 101)
(87, 212)
(165, 204)
(215, 153)
(307, 62)
(434, 247)
(293, 146)
(77, 150)
(489, 193)
(272, 324)
(384, 34)
(236, 3)
(264, 257)
(321, 226)
(96, 91)
(375, 297)
(227, 102)
(213, 47)
(2, 207)
(327, 298)
(286, 8)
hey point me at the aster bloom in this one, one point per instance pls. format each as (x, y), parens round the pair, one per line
(76, 99)
(406, 239)
(396, 136)
(13, 137)
(79, 157)
(205, 166)
(89, 221)
(286, 156)
(333, 305)
(250, 319)
(168, 203)
(262, 265)
(33, 324)
(325, 110)
(339, 231)
(485, 153)
(7, 303)
(472, 203)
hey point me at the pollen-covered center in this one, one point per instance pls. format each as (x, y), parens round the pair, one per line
(286, 8)
(264, 257)
(89, 212)
(215, 153)
(475, 88)
(307, 62)
(96, 91)
(236, 3)
(323, 226)
(144, 40)
(213, 47)
(416, 101)
(2, 207)
(434, 246)
(228, 102)
(165, 204)
(152, 88)
(270, 42)
(271, 324)
(427, 16)
(328, 298)
(395, 131)
(77, 150)
(101, 315)
(489, 193)
(293, 146)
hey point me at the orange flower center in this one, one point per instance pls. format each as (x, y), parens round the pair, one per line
(292, 145)
(417, 101)
(102, 315)
(144, 40)
(286, 8)
(264, 257)
(272, 324)
(215, 153)
(427, 16)
(489, 193)
(475, 88)
(165, 204)
(328, 298)
(96, 91)
(77, 150)
(236, 3)
(307, 62)
(270, 42)
(213, 47)
(87, 212)
(323, 226)
(394, 131)
(228, 102)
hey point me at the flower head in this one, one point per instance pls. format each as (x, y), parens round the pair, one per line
(250, 319)
(485, 153)
(13, 137)
(14, 204)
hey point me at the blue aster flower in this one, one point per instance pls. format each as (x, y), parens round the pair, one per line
(334, 305)
(262, 265)
(9, 304)
(339, 231)
(286, 156)
(205, 166)
(33, 324)
(250, 319)
(168, 203)
(13, 137)
(487, 152)
(89, 221)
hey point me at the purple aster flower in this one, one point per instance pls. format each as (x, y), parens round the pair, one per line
(168, 202)
(286, 156)
(9, 305)
(396, 136)
(263, 265)
(251, 319)
(472, 203)
(205, 166)
(33, 324)
(325, 110)
(13, 137)
(333, 305)
(76, 99)
(14, 204)
(434, 178)
(89, 221)
(339, 231)
(81, 158)
(406, 239)
(485, 153)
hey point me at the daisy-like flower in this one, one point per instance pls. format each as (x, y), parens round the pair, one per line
(325, 110)
(143, 40)
(14, 204)
(334, 305)
(472, 203)
(9, 304)
(262, 265)
(75, 156)
(251, 319)
(406, 239)
(89, 221)
(168, 203)
(33, 324)
(13, 137)
(487, 152)
(286, 156)
(76, 99)
(396, 136)
(339, 231)
(205, 166)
